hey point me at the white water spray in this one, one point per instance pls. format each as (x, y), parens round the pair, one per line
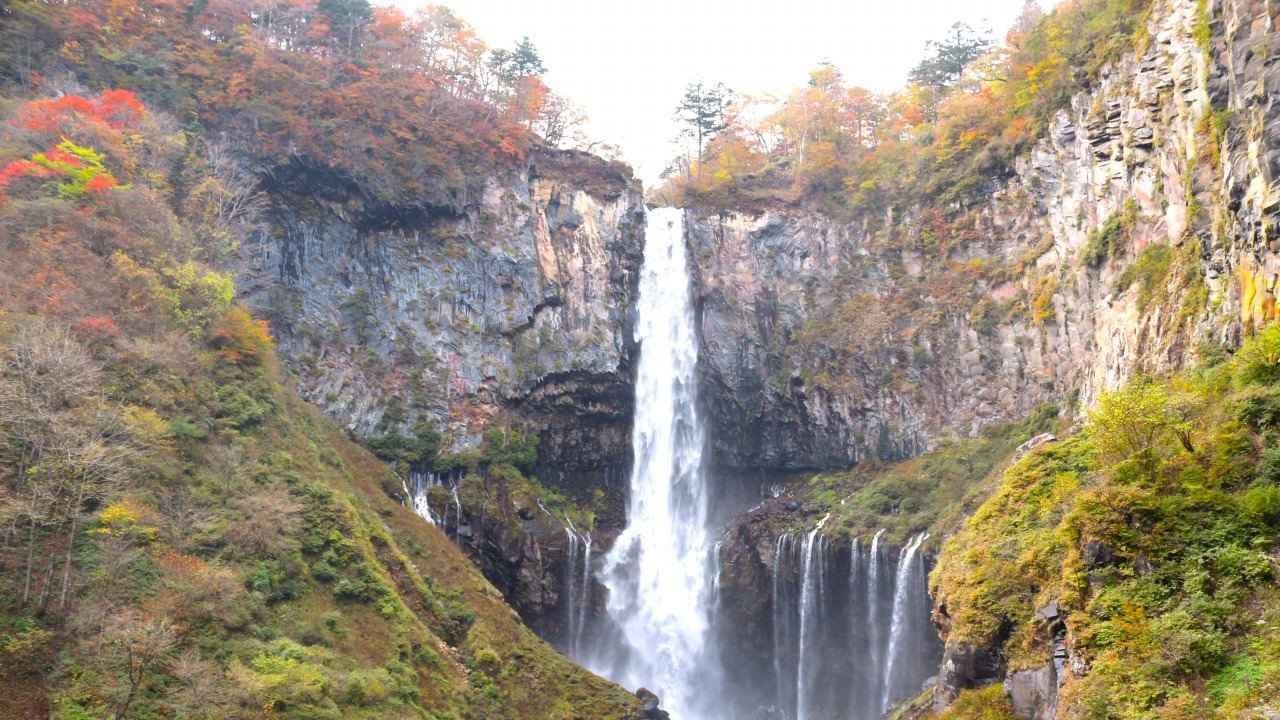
(416, 489)
(811, 594)
(656, 573)
(901, 592)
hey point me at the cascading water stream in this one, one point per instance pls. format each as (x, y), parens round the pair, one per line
(579, 588)
(874, 655)
(852, 635)
(901, 589)
(656, 573)
(811, 595)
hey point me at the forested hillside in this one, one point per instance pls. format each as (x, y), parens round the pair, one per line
(183, 536)
(285, 285)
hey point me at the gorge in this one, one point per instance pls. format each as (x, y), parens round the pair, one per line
(370, 400)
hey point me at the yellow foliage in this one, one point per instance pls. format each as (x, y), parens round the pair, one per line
(146, 425)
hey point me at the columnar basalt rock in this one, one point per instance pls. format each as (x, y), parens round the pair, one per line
(506, 306)
(514, 304)
(1179, 142)
(1174, 144)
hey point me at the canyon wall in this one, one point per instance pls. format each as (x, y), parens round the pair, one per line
(1139, 235)
(510, 304)
(1135, 230)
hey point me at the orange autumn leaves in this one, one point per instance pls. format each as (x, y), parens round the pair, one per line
(67, 169)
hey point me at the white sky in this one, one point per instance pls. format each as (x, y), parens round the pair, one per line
(628, 62)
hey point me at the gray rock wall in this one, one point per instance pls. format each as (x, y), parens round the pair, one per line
(1180, 142)
(514, 305)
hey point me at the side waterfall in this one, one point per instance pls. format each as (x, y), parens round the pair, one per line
(848, 649)
(811, 602)
(657, 572)
(910, 574)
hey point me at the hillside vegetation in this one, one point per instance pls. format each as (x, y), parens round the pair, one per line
(183, 537)
(971, 108)
(390, 114)
(1156, 533)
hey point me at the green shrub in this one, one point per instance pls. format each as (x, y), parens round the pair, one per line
(488, 661)
(1262, 503)
(183, 430)
(1150, 270)
(453, 625)
(1103, 242)
(1257, 361)
(511, 448)
(274, 582)
(348, 590)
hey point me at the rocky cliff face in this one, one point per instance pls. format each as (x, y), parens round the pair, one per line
(509, 305)
(502, 304)
(1142, 224)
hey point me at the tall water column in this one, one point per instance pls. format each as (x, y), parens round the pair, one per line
(658, 572)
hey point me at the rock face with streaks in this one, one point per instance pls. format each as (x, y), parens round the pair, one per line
(510, 305)
(1144, 224)
(825, 342)
(507, 304)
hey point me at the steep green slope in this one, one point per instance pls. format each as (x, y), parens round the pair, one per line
(183, 536)
(1146, 547)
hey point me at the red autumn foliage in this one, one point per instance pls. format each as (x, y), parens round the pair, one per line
(96, 330)
(116, 109)
(407, 106)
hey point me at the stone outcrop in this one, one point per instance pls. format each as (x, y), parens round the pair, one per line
(511, 305)
(505, 303)
(1176, 141)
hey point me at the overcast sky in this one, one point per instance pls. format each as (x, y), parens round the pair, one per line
(628, 62)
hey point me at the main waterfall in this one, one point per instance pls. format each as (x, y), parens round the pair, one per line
(658, 572)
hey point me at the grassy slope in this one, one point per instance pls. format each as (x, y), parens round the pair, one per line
(1162, 558)
(931, 493)
(232, 553)
(438, 595)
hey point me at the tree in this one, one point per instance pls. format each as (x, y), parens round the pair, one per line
(560, 120)
(948, 58)
(703, 110)
(1137, 417)
(66, 448)
(525, 61)
(942, 69)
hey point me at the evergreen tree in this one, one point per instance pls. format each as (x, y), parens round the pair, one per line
(703, 110)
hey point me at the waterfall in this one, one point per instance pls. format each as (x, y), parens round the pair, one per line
(656, 573)
(857, 610)
(578, 588)
(849, 636)
(781, 618)
(811, 597)
(416, 489)
(570, 590)
(875, 653)
(908, 586)
(577, 592)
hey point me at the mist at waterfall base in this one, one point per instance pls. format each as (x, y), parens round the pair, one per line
(845, 629)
